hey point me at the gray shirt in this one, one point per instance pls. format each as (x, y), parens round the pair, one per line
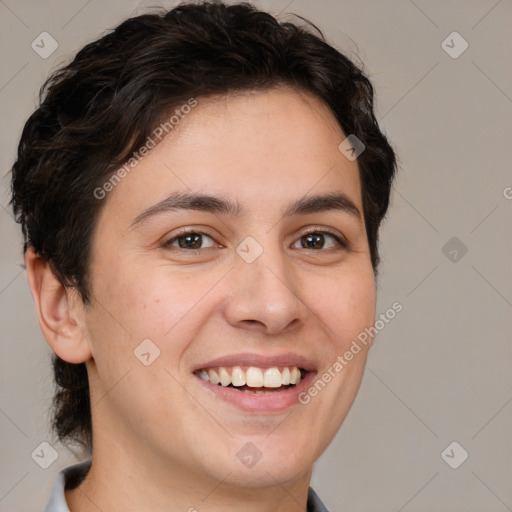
(72, 475)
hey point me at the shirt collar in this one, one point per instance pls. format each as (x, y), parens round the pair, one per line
(71, 474)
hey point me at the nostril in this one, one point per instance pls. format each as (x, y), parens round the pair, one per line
(252, 322)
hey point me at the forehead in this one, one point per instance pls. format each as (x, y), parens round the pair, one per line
(262, 147)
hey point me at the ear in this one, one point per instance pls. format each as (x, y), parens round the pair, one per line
(60, 311)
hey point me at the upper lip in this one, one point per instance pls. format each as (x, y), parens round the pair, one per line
(259, 361)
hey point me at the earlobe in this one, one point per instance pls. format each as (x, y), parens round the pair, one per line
(60, 313)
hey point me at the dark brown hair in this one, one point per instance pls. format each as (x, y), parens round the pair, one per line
(96, 111)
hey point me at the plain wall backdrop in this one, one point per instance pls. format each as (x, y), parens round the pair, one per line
(440, 371)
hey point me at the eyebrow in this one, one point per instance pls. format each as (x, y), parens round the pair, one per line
(222, 205)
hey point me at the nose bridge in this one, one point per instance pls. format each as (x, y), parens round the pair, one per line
(263, 294)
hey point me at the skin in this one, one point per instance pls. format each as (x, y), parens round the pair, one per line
(160, 441)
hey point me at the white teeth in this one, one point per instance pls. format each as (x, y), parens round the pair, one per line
(272, 378)
(295, 375)
(254, 377)
(214, 376)
(225, 379)
(237, 376)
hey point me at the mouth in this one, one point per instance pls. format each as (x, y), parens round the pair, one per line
(255, 383)
(253, 379)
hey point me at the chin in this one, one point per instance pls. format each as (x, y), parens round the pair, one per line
(265, 474)
(268, 460)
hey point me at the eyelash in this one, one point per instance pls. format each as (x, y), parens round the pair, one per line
(316, 231)
(311, 231)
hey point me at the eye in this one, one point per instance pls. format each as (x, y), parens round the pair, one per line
(319, 240)
(190, 240)
(196, 240)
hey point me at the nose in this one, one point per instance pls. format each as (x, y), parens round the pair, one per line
(264, 295)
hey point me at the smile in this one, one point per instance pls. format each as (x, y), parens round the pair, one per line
(253, 379)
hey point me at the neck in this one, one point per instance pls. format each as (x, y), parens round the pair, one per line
(120, 480)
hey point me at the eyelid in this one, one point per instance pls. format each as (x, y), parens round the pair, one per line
(325, 231)
(186, 231)
(340, 239)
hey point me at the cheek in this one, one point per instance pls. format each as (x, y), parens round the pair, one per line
(345, 305)
(140, 300)
(152, 302)
(131, 305)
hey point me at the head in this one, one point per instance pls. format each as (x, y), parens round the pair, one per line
(241, 118)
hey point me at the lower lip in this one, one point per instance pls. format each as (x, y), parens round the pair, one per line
(276, 401)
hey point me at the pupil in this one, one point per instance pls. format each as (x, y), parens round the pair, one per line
(313, 240)
(194, 238)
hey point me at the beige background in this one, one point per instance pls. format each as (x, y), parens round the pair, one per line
(440, 371)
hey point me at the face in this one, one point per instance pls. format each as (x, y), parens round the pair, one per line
(260, 282)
